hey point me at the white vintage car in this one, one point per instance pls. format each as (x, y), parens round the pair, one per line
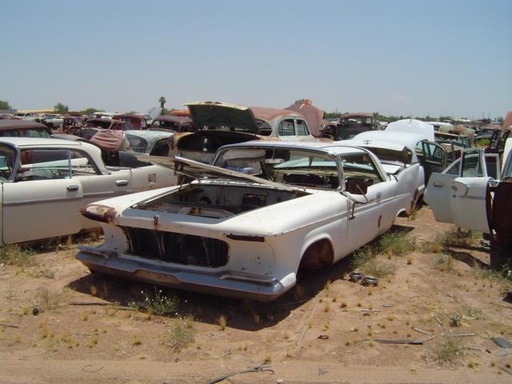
(45, 181)
(246, 225)
(416, 135)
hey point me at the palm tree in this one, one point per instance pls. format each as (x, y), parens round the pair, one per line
(162, 101)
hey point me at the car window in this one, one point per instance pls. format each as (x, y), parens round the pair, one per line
(43, 164)
(10, 133)
(7, 161)
(36, 133)
(361, 167)
(472, 166)
(81, 165)
(453, 168)
(286, 128)
(137, 144)
(160, 148)
(48, 164)
(431, 152)
(303, 168)
(302, 128)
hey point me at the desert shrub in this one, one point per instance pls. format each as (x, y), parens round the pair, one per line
(182, 333)
(362, 256)
(46, 300)
(444, 263)
(156, 302)
(397, 243)
(435, 245)
(377, 268)
(17, 255)
(459, 238)
(448, 351)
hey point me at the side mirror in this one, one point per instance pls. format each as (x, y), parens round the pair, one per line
(357, 186)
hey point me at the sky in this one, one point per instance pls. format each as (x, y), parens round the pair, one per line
(394, 57)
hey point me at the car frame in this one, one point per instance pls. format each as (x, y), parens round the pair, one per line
(44, 183)
(247, 224)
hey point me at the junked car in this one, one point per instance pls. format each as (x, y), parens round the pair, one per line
(45, 182)
(250, 221)
(172, 123)
(218, 123)
(416, 135)
(474, 193)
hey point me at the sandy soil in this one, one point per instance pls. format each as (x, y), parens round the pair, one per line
(61, 324)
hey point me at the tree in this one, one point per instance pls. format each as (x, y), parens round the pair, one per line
(162, 101)
(61, 108)
(90, 111)
(4, 105)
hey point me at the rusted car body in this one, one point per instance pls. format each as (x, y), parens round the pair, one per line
(136, 121)
(172, 123)
(349, 125)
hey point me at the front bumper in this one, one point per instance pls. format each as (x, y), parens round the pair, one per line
(232, 284)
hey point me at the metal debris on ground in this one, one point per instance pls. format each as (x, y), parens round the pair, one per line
(501, 342)
(258, 368)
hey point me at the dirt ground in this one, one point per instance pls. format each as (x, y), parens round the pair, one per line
(436, 319)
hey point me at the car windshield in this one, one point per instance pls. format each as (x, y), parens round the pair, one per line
(137, 144)
(287, 165)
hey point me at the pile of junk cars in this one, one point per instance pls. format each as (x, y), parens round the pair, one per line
(246, 200)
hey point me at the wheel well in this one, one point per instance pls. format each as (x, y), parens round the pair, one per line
(317, 256)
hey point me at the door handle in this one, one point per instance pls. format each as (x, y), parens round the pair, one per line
(121, 183)
(438, 184)
(73, 188)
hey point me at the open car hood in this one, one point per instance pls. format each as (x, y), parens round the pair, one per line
(219, 114)
(197, 170)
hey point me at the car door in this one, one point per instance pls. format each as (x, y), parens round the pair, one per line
(468, 203)
(368, 218)
(458, 195)
(373, 212)
(433, 157)
(43, 201)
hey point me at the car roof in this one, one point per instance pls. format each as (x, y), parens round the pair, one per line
(24, 142)
(6, 124)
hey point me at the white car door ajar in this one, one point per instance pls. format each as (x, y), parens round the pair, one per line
(459, 194)
(43, 201)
